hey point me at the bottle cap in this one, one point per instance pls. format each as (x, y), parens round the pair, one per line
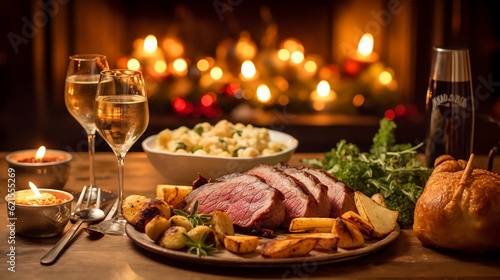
(450, 64)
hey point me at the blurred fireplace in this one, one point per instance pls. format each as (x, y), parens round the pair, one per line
(328, 30)
(404, 32)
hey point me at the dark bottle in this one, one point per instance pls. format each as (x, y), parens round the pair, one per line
(449, 105)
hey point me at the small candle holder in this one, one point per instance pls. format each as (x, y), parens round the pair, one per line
(39, 221)
(51, 172)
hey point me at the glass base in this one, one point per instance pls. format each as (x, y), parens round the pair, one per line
(115, 226)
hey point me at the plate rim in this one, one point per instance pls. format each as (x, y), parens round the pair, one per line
(145, 242)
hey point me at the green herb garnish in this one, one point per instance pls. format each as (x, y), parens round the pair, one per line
(181, 146)
(235, 152)
(195, 218)
(199, 247)
(388, 168)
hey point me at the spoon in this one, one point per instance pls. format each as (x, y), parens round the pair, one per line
(85, 215)
(95, 230)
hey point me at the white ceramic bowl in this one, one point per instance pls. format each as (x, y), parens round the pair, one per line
(184, 168)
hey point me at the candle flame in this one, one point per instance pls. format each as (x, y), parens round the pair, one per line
(40, 153)
(365, 46)
(248, 69)
(263, 93)
(35, 189)
(150, 44)
(323, 88)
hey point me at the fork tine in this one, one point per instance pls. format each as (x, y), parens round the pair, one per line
(98, 201)
(89, 197)
(80, 200)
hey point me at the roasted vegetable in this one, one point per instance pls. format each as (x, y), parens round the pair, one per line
(382, 219)
(222, 225)
(177, 220)
(156, 227)
(362, 224)
(172, 194)
(131, 207)
(198, 231)
(241, 244)
(311, 225)
(288, 248)
(173, 238)
(326, 241)
(139, 210)
(349, 235)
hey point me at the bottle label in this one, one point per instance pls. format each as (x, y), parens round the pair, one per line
(446, 100)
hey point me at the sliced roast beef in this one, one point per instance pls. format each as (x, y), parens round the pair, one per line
(318, 190)
(298, 201)
(341, 196)
(253, 206)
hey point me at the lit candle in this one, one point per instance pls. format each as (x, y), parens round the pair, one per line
(263, 93)
(248, 71)
(322, 95)
(38, 198)
(362, 57)
(44, 167)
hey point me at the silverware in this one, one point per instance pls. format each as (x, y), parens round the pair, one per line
(95, 230)
(86, 215)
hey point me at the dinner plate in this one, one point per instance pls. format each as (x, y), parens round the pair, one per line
(224, 258)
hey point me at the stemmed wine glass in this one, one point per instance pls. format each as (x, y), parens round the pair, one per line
(121, 117)
(79, 95)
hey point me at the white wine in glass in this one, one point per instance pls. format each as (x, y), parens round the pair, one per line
(79, 95)
(121, 117)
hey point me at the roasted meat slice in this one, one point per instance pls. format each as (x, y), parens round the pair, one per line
(252, 205)
(318, 190)
(341, 196)
(298, 200)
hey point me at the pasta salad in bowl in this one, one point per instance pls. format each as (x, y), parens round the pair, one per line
(215, 150)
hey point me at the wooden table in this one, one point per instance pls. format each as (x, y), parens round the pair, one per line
(113, 257)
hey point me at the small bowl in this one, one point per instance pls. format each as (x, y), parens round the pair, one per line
(38, 221)
(184, 168)
(49, 175)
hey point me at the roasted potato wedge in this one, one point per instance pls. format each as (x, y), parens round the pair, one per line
(363, 225)
(326, 241)
(156, 227)
(172, 238)
(288, 248)
(311, 225)
(241, 244)
(181, 221)
(131, 207)
(382, 219)
(172, 194)
(222, 225)
(379, 198)
(349, 235)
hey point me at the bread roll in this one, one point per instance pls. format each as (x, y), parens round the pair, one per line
(462, 216)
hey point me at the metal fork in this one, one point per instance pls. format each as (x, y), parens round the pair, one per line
(79, 216)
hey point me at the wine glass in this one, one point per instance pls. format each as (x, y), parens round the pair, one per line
(79, 95)
(121, 117)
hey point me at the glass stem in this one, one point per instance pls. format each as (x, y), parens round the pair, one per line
(91, 141)
(120, 159)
